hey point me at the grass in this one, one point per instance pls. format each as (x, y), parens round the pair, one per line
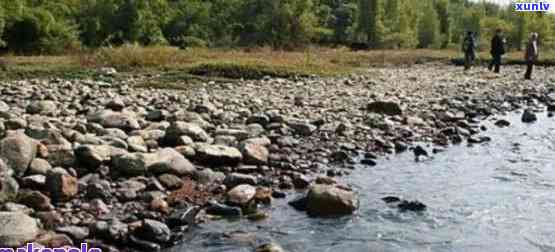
(163, 67)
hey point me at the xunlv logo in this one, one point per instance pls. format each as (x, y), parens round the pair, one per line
(532, 6)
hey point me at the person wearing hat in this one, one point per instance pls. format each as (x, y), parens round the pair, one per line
(531, 54)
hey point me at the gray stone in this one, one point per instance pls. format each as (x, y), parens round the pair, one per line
(16, 229)
(218, 155)
(18, 150)
(329, 200)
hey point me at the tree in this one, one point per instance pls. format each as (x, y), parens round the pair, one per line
(428, 28)
(370, 22)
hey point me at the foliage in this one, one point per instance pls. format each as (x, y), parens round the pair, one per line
(56, 26)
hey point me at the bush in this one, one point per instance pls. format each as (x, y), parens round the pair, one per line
(38, 31)
(188, 41)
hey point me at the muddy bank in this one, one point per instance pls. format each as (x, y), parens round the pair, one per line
(127, 168)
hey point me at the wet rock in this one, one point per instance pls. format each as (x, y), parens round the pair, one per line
(502, 123)
(529, 116)
(218, 155)
(63, 187)
(299, 203)
(326, 200)
(241, 195)
(17, 228)
(385, 107)
(301, 181)
(215, 208)
(183, 217)
(143, 245)
(391, 199)
(155, 231)
(368, 162)
(18, 151)
(271, 247)
(414, 206)
(254, 154)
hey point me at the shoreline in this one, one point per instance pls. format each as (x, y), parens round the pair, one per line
(273, 133)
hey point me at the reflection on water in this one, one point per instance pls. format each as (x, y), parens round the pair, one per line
(498, 196)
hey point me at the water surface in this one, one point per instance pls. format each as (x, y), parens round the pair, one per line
(498, 196)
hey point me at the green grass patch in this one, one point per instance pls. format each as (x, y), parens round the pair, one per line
(233, 70)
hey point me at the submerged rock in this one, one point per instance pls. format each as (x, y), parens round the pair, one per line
(329, 200)
(529, 116)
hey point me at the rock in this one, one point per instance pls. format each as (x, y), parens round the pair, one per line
(368, 162)
(159, 205)
(254, 154)
(329, 200)
(17, 228)
(235, 179)
(391, 199)
(302, 127)
(35, 200)
(132, 164)
(215, 208)
(137, 144)
(36, 182)
(263, 195)
(75, 232)
(143, 245)
(241, 195)
(118, 120)
(385, 107)
(93, 156)
(170, 181)
(50, 219)
(529, 116)
(218, 155)
(299, 203)
(39, 166)
(61, 155)
(178, 129)
(116, 104)
(414, 206)
(168, 160)
(8, 188)
(18, 151)
(183, 217)
(63, 187)
(208, 176)
(502, 123)
(270, 247)
(155, 231)
(48, 108)
(301, 181)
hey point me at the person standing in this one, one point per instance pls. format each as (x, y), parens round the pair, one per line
(531, 55)
(497, 50)
(469, 47)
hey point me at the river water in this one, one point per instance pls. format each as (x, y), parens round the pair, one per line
(498, 196)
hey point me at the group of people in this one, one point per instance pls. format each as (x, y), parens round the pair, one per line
(498, 50)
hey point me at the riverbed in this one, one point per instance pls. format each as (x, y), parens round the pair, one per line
(496, 196)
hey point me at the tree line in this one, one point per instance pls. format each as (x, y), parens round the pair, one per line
(56, 26)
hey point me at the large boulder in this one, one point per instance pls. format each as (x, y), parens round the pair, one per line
(17, 228)
(302, 127)
(329, 200)
(118, 120)
(178, 129)
(18, 150)
(132, 164)
(385, 107)
(8, 188)
(217, 155)
(529, 116)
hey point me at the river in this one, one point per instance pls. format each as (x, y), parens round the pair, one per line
(498, 196)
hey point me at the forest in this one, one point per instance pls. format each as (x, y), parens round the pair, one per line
(62, 26)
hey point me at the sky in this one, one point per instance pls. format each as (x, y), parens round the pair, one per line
(552, 2)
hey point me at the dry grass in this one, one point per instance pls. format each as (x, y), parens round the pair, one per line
(175, 65)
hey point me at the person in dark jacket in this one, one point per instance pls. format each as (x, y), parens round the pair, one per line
(497, 50)
(531, 55)
(469, 48)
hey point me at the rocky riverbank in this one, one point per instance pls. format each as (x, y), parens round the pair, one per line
(125, 168)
